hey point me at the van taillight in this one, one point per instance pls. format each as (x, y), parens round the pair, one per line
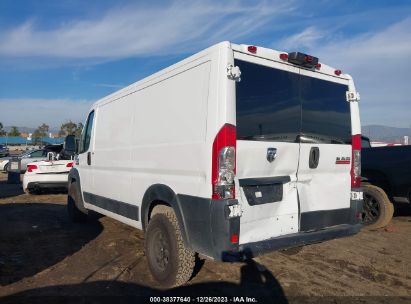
(30, 168)
(223, 163)
(356, 161)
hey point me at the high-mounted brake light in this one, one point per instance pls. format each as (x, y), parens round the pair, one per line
(69, 165)
(301, 59)
(356, 161)
(308, 58)
(30, 168)
(223, 163)
(337, 72)
(252, 49)
(284, 56)
(318, 66)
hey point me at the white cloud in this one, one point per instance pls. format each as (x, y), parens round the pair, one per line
(379, 63)
(137, 30)
(33, 112)
(308, 38)
(377, 60)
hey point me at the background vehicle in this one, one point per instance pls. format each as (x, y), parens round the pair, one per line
(4, 151)
(51, 173)
(233, 152)
(386, 176)
(29, 157)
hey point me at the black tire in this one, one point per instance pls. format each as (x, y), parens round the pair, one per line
(170, 262)
(75, 214)
(6, 167)
(378, 210)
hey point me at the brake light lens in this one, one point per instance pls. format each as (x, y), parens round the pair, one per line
(356, 161)
(223, 163)
(69, 165)
(30, 168)
(252, 49)
(234, 238)
(284, 56)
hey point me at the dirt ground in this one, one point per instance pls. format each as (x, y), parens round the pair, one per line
(43, 256)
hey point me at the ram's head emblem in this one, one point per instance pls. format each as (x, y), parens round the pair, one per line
(271, 154)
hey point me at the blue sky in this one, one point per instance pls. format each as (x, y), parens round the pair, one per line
(58, 57)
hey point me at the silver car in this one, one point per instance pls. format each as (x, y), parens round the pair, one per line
(27, 157)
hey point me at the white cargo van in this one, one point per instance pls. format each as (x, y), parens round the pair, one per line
(233, 152)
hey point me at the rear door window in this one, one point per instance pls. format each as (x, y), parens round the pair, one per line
(268, 107)
(277, 105)
(326, 114)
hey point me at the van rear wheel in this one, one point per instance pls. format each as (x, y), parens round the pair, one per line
(170, 262)
(378, 210)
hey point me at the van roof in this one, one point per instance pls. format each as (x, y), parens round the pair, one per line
(261, 52)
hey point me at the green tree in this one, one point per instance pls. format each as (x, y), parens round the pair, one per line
(41, 131)
(68, 128)
(79, 129)
(14, 131)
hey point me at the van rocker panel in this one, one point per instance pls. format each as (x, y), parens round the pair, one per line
(120, 208)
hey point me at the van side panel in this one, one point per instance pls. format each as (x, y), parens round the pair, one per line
(154, 135)
(169, 133)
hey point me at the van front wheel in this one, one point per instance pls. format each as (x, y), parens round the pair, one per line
(170, 262)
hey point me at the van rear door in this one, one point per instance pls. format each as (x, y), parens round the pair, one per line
(268, 123)
(324, 181)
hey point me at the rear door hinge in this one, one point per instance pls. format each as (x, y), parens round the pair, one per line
(352, 96)
(233, 72)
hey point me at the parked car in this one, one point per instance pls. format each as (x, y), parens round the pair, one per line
(30, 156)
(386, 177)
(47, 174)
(51, 173)
(205, 161)
(4, 151)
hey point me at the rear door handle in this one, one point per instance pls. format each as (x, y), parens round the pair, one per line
(89, 158)
(314, 157)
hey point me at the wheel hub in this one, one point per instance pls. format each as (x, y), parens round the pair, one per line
(161, 250)
(371, 209)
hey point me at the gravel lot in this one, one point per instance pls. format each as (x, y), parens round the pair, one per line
(43, 254)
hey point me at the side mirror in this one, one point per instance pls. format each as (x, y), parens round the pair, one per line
(69, 144)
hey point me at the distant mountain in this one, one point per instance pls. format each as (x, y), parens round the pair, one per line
(385, 133)
(28, 129)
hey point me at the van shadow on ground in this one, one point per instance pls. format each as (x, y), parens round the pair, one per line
(256, 282)
(37, 236)
(10, 190)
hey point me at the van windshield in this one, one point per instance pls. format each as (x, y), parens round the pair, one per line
(276, 105)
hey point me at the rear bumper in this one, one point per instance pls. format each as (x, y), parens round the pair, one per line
(208, 229)
(45, 181)
(250, 250)
(47, 185)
